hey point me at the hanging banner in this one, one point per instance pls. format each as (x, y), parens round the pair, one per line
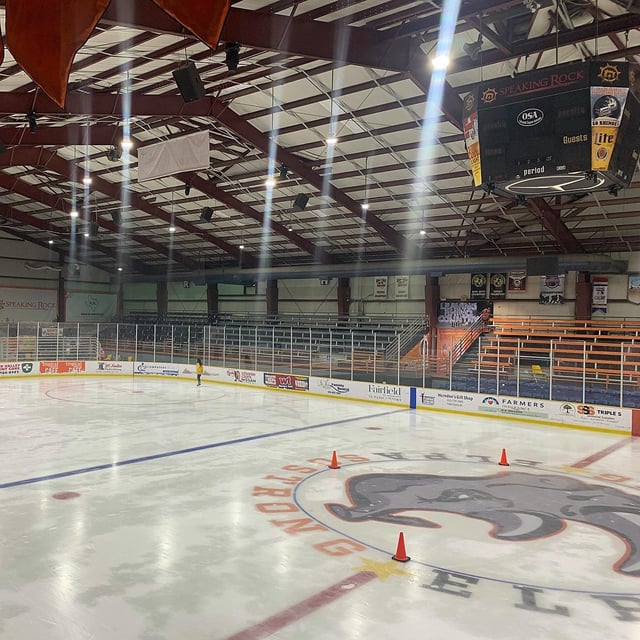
(166, 158)
(498, 286)
(402, 287)
(471, 139)
(381, 285)
(462, 313)
(478, 286)
(28, 305)
(607, 106)
(633, 288)
(599, 295)
(552, 289)
(517, 281)
(91, 307)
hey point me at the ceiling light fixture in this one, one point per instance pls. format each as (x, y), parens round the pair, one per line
(270, 182)
(331, 141)
(73, 213)
(126, 144)
(440, 62)
(172, 229)
(50, 241)
(241, 247)
(86, 180)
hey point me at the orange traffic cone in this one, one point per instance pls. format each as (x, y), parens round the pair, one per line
(503, 459)
(334, 462)
(401, 552)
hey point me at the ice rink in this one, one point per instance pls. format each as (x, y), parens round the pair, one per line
(157, 510)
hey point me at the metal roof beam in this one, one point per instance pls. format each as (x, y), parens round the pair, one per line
(274, 32)
(554, 225)
(110, 104)
(49, 160)
(233, 203)
(55, 202)
(27, 219)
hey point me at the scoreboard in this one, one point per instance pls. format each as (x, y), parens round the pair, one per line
(565, 129)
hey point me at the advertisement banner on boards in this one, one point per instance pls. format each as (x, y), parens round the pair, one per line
(286, 381)
(156, 369)
(105, 367)
(15, 368)
(62, 366)
(583, 415)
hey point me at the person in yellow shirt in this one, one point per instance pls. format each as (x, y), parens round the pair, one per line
(199, 369)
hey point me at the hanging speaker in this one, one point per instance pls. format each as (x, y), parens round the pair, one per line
(300, 203)
(3, 148)
(206, 214)
(189, 82)
(93, 229)
(116, 217)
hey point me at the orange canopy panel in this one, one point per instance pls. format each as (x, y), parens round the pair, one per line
(204, 18)
(45, 36)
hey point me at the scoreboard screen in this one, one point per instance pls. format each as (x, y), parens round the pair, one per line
(554, 130)
(536, 137)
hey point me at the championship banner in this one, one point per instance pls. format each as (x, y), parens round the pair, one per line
(552, 289)
(518, 281)
(633, 288)
(599, 289)
(498, 286)
(478, 286)
(381, 285)
(402, 287)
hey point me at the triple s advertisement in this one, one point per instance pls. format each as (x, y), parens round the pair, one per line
(568, 413)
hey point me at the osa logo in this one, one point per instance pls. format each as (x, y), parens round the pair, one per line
(530, 117)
